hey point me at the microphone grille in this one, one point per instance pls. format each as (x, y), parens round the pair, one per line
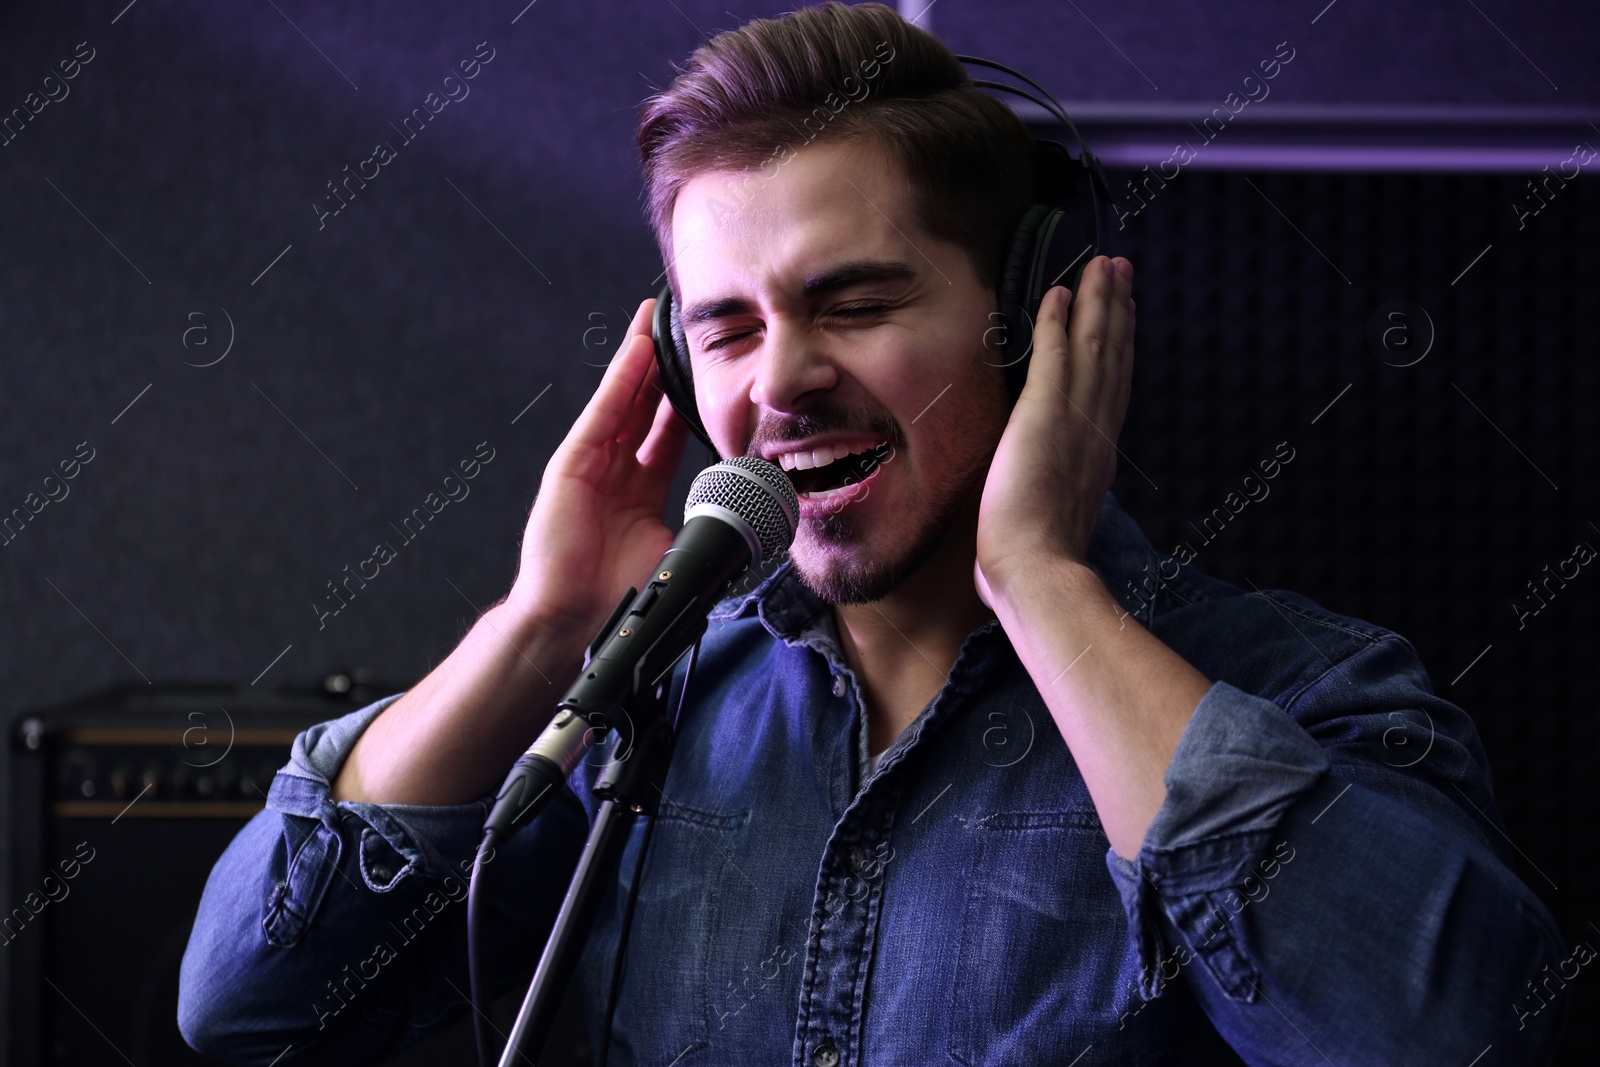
(756, 491)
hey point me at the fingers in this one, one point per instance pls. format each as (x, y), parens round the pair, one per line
(614, 403)
(1125, 386)
(1099, 319)
(642, 318)
(1118, 370)
(1047, 368)
(1098, 356)
(648, 395)
(642, 414)
(662, 450)
(663, 445)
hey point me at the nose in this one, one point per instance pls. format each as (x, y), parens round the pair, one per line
(793, 362)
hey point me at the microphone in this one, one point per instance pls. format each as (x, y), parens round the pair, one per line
(739, 511)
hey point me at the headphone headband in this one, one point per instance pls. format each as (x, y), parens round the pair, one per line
(1099, 187)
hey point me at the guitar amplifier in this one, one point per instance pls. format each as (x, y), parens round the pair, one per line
(122, 802)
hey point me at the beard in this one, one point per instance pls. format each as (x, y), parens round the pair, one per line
(834, 563)
(842, 576)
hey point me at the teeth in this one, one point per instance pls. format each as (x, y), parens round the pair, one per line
(818, 457)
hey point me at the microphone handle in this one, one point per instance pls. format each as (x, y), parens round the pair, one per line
(536, 776)
(631, 654)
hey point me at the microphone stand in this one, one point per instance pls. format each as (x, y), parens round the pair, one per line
(740, 510)
(629, 785)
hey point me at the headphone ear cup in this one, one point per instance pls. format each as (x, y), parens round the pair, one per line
(672, 359)
(1014, 307)
(1049, 247)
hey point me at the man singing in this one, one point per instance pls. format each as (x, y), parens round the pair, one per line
(956, 783)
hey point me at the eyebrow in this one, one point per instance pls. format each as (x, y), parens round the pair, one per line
(844, 276)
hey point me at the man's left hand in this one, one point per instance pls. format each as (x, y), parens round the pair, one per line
(1057, 456)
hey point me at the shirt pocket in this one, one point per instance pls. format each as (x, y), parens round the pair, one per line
(663, 1010)
(1042, 968)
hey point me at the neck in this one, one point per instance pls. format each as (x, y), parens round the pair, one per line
(903, 646)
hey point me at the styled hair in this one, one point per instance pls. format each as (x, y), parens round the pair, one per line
(751, 96)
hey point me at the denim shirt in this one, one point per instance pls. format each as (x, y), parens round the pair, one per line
(1326, 881)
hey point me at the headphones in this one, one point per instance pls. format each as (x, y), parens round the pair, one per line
(1050, 246)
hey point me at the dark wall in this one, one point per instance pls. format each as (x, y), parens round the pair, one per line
(1423, 496)
(165, 212)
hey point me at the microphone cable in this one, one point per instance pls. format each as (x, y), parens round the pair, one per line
(477, 980)
(476, 988)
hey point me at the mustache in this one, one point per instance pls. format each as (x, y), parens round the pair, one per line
(782, 429)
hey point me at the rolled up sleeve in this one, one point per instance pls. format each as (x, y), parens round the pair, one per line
(1331, 881)
(330, 929)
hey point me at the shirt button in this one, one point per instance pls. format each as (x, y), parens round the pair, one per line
(858, 857)
(838, 685)
(382, 874)
(825, 1056)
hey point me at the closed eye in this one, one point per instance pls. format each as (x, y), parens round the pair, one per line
(721, 341)
(859, 311)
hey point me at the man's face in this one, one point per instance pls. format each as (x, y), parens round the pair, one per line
(829, 334)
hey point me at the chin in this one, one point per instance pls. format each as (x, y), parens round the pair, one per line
(839, 581)
(837, 562)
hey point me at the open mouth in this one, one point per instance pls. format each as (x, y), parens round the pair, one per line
(833, 478)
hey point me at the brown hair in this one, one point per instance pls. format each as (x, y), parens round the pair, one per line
(749, 94)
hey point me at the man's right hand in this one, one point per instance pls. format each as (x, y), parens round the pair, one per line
(595, 529)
